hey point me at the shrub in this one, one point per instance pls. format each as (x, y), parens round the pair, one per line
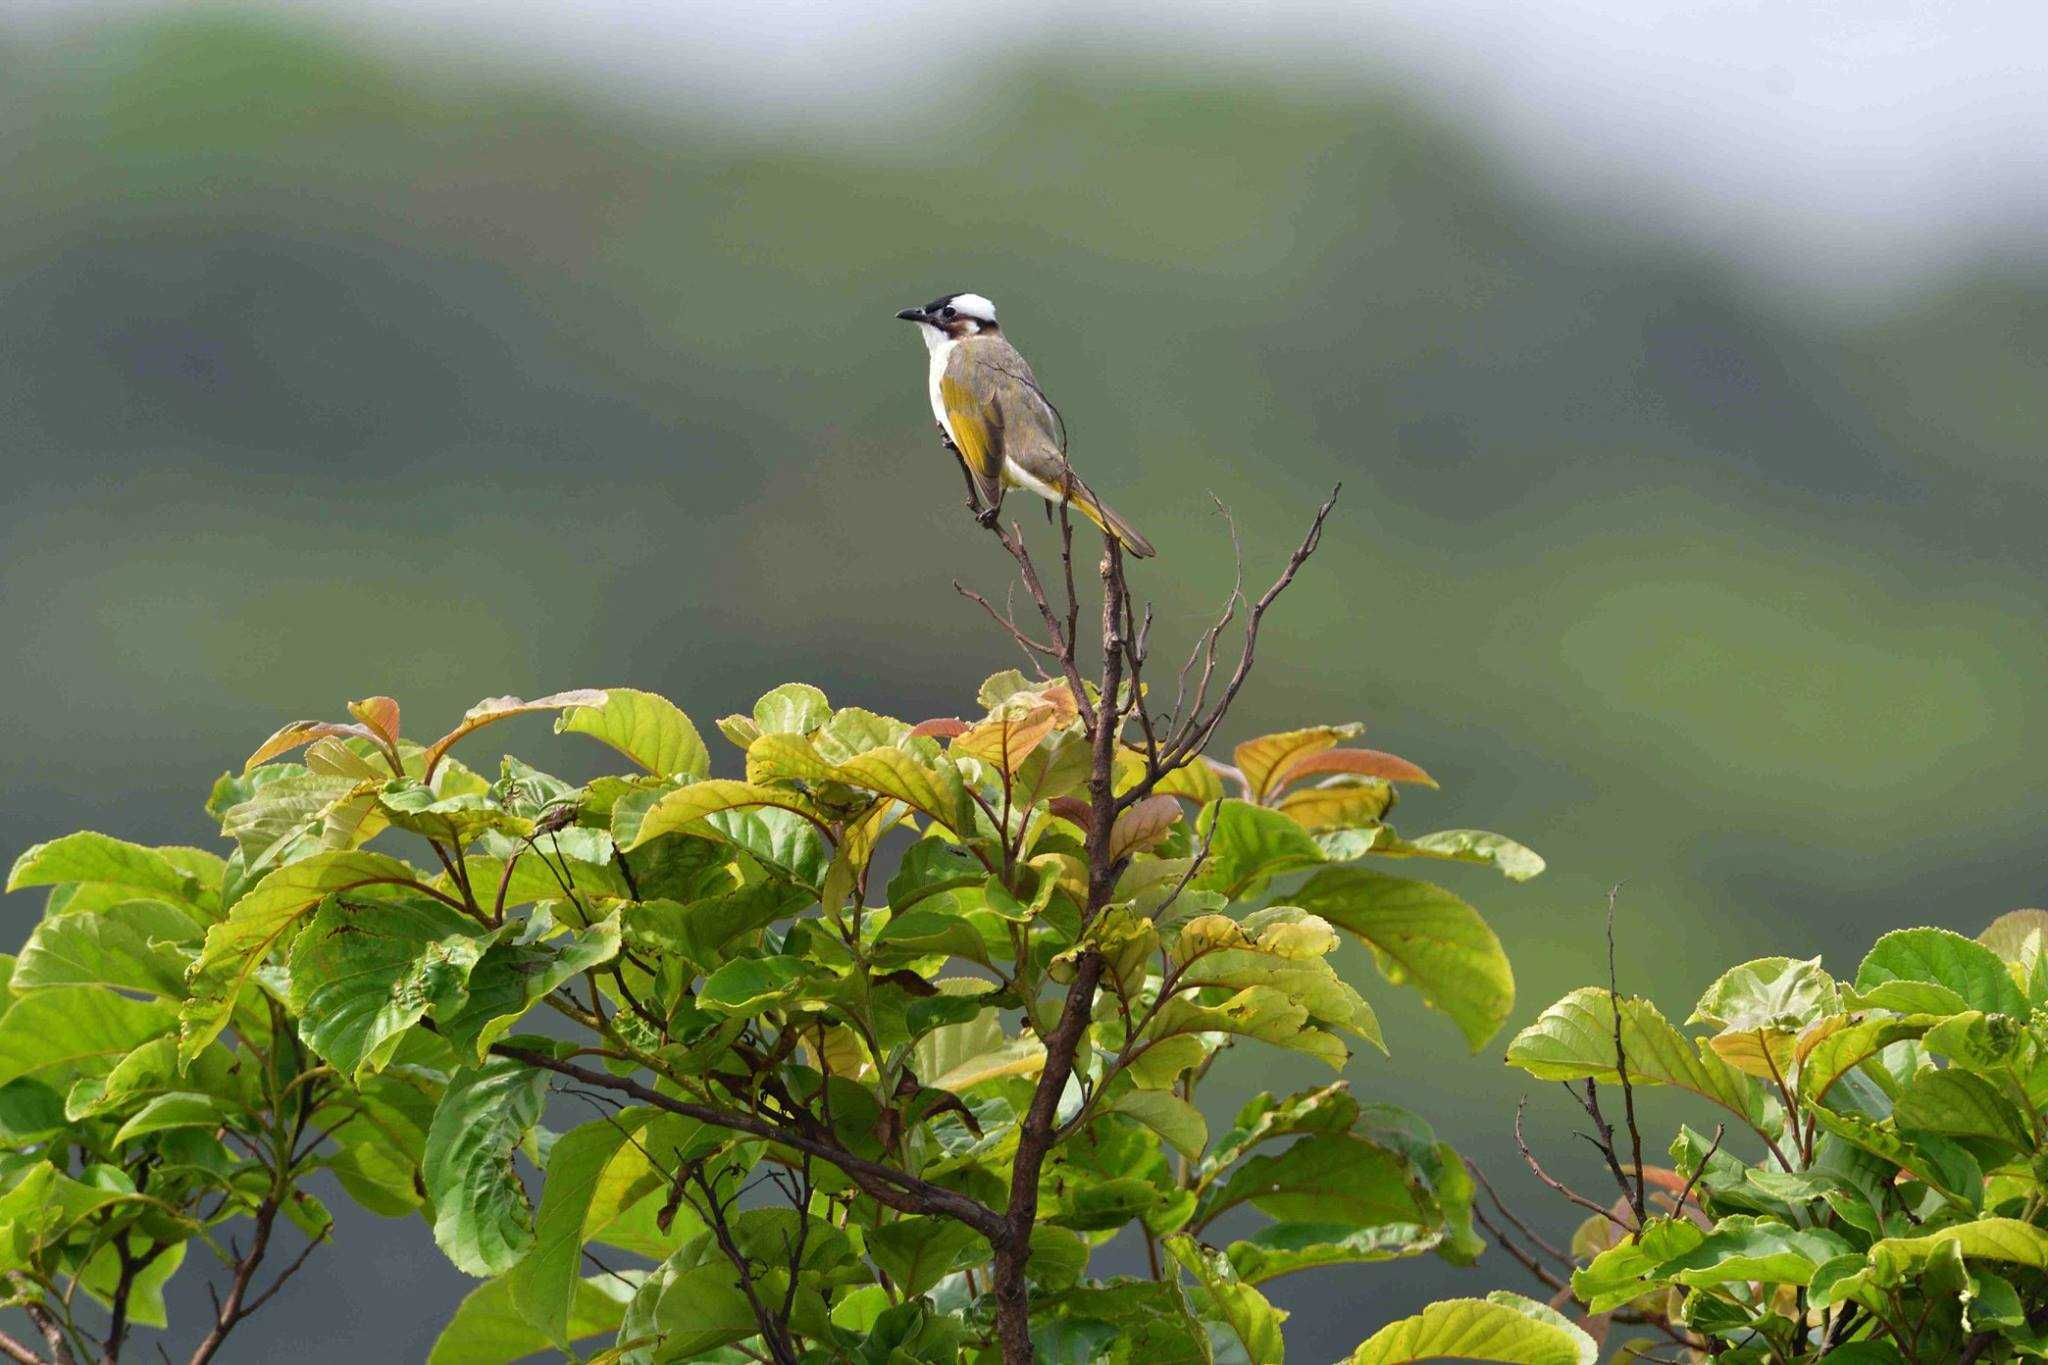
(1874, 1186)
(826, 1114)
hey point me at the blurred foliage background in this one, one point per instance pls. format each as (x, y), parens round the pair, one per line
(322, 375)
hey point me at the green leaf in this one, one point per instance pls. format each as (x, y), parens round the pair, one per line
(42, 1202)
(488, 1330)
(481, 1218)
(364, 971)
(931, 866)
(1893, 1260)
(1624, 1272)
(1512, 860)
(1285, 955)
(650, 730)
(141, 945)
(746, 986)
(1423, 936)
(511, 978)
(1769, 993)
(236, 946)
(1261, 1012)
(933, 788)
(916, 1253)
(1966, 967)
(793, 708)
(491, 710)
(702, 931)
(1574, 1040)
(929, 933)
(593, 1173)
(1179, 1124)
(1253, 1321)
(178, 1109)
(1327, 1109)
(1743, 1248)
(1249, 846)
(1958, 1104)
(685, 807)
(101, 859)
(59, 1034)
(1836, 1046)
(1501, 1327)
(702, 1309)
(2018, 936)
(1331, 1178)
(1284, 1248)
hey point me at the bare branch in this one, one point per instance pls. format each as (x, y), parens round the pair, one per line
(1639, 1200)
(1200, 725)
(1545, 1247)
(1693, 1183)
(1032, 648)
(885, 1184)
(1558, 1185)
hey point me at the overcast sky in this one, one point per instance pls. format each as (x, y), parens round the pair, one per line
(1850, 135)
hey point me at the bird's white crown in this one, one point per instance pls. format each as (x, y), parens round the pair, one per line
(974, 306)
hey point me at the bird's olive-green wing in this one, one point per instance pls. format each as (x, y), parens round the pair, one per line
(974, 419)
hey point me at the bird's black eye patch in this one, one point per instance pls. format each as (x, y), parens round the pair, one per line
(949, 311)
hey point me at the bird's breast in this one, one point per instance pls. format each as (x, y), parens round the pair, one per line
(941, 353)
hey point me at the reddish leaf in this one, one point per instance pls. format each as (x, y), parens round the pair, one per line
(1362, 762)
(1070, 808)
(1143, 825)
(380, 714)
(1007, 738)
(301, 732)
(940, 727)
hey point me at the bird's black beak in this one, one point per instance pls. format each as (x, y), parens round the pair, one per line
(912, 314)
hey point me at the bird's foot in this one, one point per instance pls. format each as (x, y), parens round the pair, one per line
(987, 516)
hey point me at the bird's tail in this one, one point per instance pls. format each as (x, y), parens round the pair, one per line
(1110, 523)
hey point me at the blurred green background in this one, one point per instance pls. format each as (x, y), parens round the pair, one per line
(328, 370)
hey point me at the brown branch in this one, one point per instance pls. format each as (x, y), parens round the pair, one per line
(18, 1353)
(1034, 1140)
(1639, 1200)
(1008, 622)
(1545, 1247)
(1199, 726)
(1528, 1262)
(1558, 1185)
(1693, 1183)
(884, 1184)
(228, 1313)
(1012, 540)
(1604, 1143)
(773, 1331)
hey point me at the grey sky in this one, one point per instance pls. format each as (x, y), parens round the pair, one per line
(1838, 137)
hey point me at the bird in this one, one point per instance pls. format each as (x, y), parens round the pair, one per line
(998, 420)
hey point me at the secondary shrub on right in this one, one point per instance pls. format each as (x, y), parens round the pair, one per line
(1869, 1182)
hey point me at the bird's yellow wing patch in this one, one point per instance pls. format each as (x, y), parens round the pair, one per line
(975, 430)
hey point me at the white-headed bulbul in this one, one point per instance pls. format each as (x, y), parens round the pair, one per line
(992, 411)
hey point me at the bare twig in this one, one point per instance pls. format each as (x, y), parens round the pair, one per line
(774, 1331)
(1693, 1183)
(1528, 1262)
(230, 1312)
(1545, 1247)
(1558, 1185)
(1033, 649)
(1639, 1200)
